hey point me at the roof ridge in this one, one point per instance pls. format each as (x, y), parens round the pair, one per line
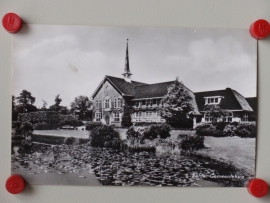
(211, 91)
(124, 79)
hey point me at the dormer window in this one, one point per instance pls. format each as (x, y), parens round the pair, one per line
(213, 100)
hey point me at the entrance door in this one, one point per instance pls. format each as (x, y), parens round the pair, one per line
(107, 119)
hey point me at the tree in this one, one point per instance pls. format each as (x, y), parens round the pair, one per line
(82, 106)
(215, 112)
(126, 116)
(177, 106)
(26, 102)
(44, 106)
(14, 109)
(56, 106)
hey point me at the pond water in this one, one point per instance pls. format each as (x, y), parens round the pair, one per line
(85, 165)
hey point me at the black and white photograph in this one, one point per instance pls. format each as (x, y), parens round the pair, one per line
(134, 106)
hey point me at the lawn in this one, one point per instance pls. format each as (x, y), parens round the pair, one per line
(63, 133)
(241, 151)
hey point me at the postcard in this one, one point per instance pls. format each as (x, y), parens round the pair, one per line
(134, 106)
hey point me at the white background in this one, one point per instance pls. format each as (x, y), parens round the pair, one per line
(169, 13)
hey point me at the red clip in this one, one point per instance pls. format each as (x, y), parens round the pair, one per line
(257, 187)
(15, 184)
(11, 22)
(259, 29)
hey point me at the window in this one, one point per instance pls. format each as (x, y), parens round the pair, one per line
(98, 116)
(140, 103)
(229, 119)
(162, 103)
(148, 114)
(245, 117)
(143, 102)
(154, 101)
(98, 103)
(116, 116)
(151, 102)
(207, 119)
(136, 103)
(146, 102)
(138, 114)
(115, 102)
(158, 114)
(107, 103)
(214, 100)
(119, 102)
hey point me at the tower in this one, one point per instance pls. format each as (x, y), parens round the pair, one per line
(127, 74)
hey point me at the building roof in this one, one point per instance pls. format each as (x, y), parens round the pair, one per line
(232, 99)
(152, 90)
(127, 88)
(139, 90)
(252, 103)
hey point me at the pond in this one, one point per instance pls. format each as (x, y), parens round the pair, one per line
(82, 164)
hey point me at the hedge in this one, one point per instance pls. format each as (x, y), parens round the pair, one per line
(221, 129)
(45, 116)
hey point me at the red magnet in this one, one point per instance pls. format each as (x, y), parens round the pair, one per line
(257, 187)
(259, 29)
(11, 22)
(15, 184)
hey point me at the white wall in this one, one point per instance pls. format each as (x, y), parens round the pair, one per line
(191, 13)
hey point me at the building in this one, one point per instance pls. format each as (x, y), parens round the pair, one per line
(229, 99)
(113, 93)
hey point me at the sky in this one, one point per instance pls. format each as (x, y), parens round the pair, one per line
(72, 60)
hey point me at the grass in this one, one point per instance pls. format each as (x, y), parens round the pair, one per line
(241, 151)
(63, 133)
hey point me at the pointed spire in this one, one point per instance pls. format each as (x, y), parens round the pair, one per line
(127, 72)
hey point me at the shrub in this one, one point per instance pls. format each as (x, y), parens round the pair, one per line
(209, 130)
(126, 117)
(229, 130)
(155, 131)
(23, 137)
(192, 143)
(91, 125)
(246, 130)
(45, 126)
(132, 133)
(74, 123)
(69, 140)
(221, 125)
(104, 136)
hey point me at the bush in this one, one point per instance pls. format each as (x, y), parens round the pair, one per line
(203, 129)
(126, 117)
(155, 131)
(221, 125)
(246, 130)
(69, 140)
(132, 133)
(74, 123)
(23, 137)
(192, 143)
(104, 136)
(91, 125)
(45, 126)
